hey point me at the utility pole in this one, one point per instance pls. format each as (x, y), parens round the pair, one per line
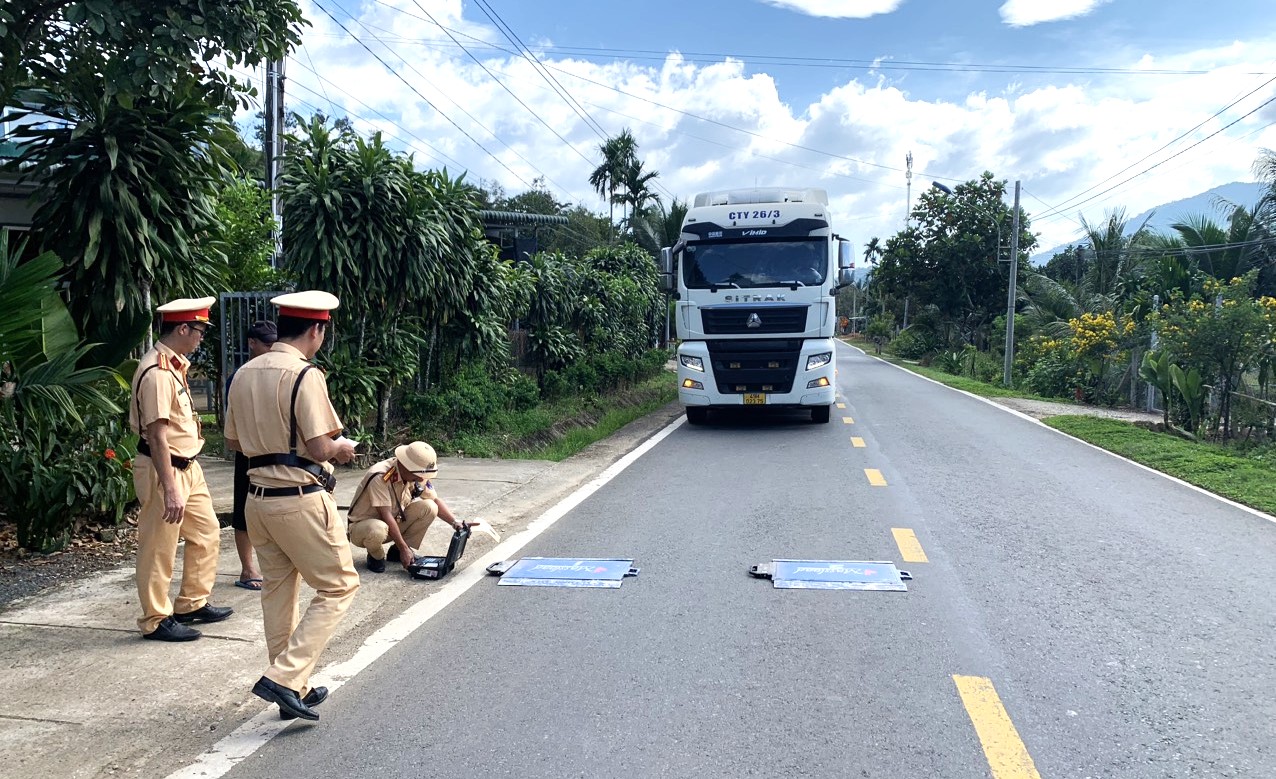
(908, 190)
(273, 149)
(1012, 294)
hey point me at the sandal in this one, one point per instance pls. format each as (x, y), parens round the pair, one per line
(249, 584)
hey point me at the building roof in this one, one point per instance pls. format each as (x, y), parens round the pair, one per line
(513, 218)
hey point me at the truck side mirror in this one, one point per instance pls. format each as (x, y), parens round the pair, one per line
(666, 261)
(845, 259)
(845, 277)
(666, 283)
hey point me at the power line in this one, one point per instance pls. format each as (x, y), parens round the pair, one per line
(687, 114)
(1152, 167)
(1165, 146)
(398, 75)
(540, 68)
(612, 53)
(472, 118)
(433, 152)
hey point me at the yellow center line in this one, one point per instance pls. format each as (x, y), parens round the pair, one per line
(909, 547)
(1007, 756)
(857, 442)
(875, 477)
(841, 405)
(848, 421)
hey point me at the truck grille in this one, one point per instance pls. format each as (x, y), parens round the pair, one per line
(754, 366)
(767, 319)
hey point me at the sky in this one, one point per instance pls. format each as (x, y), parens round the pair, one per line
(1092, 105)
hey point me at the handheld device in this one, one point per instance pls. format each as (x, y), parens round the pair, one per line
(437, 567)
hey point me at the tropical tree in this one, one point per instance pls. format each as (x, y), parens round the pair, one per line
(1224, 334)
(62, 447)
(872, 250)
(947, 258)
(662, 226)
(124, 192)
(403, 249)
(618, 153)
(141, 48)
(1117, 254)
(637, 196)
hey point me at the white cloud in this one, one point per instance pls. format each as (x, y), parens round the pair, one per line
(1024, 13)
(838, 9)
(724, 124)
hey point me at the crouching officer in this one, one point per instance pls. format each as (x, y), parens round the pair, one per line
(396, 502)
(170, 482)
(280, 417)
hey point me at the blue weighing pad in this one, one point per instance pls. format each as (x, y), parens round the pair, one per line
(836, 575)
(565, 572)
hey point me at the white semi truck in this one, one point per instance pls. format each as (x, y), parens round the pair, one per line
(754, 275)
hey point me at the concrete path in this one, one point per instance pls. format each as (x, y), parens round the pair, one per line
(85, 696)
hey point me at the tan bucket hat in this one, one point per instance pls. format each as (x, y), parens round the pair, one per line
(419, 458)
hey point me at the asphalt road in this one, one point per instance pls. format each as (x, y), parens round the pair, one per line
(1118, 624)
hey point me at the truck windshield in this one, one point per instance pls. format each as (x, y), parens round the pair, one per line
(755, 264)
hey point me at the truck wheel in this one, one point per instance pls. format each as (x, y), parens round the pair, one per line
(697, 415)
(820, 415)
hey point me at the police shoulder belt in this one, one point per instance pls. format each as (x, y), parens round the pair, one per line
(291, 458)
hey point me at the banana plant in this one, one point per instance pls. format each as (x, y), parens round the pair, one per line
(1191, 387)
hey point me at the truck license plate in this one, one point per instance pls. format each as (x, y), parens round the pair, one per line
(755, 399)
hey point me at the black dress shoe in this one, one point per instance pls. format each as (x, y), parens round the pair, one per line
(375, 565)
(392, 555)
(288, 700)
(205, 613)
(313, 698)
(170, 630)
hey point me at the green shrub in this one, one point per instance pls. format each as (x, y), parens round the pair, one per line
(1052, 376)
(913, 344)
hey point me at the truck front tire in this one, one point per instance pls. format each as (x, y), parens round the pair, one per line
(697, 415)
(820, 415)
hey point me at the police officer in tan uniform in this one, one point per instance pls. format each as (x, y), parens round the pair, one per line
(396, 501)
(280, 417)
(170, 482)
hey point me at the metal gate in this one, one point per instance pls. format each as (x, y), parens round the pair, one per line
(238, 311)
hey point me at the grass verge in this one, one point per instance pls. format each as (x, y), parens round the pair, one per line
(556, 431)
(972, 386)
(1249, 481)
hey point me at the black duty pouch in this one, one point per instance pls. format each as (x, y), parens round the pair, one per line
(438, 567)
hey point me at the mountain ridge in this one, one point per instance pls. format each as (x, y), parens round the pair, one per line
(1159, 218)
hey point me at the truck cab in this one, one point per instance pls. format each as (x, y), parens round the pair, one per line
(755, 274)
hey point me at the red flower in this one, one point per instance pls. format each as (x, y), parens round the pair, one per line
(110, 454)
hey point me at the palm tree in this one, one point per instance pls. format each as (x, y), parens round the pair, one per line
(872, 250)
(1117, 255)
(662, 225)
(637, 195)
(1223, 253)
(618, 153)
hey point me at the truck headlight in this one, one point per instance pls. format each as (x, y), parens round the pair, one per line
(818, 360)
(694, 363)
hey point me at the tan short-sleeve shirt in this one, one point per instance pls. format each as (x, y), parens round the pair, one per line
(383, 488)
(257, 413)
(160, 391)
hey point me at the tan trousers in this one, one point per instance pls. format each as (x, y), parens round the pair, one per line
(371, 534)
(300, 538)
(157, 544)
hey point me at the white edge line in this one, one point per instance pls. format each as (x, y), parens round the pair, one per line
(1035, 421)
(256, 732)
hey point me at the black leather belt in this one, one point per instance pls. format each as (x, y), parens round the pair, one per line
(180, 463)
(280, 492)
